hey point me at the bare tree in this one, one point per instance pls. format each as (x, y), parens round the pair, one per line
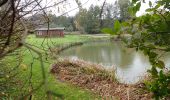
(13, 32)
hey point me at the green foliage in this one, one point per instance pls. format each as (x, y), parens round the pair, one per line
(107, 30)
(123, 7)
(160, 85)
(133, 9)
(154, 35)
(90, 21)
(113, 31)
(151, 34)
(117, 26)
(150, 4)
(87, 21)
(111, 12)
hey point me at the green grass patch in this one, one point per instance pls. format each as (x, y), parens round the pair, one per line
(30, 70)
(45, 42)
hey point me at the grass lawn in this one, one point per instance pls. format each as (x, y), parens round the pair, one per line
(59, 41)
(68, 91)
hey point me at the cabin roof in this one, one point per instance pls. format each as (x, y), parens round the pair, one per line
(45, 29)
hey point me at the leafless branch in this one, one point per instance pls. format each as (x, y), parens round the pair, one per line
(3, 2)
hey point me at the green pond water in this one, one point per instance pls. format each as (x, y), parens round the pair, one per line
(130, 65)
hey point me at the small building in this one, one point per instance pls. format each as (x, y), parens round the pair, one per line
(50, 32)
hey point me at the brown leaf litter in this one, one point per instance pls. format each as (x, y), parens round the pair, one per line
(98, 80)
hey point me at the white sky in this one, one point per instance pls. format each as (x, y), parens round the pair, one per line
(70, 6)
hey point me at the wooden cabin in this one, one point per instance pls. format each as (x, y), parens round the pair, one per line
(50, 32)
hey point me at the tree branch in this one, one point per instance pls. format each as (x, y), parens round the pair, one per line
(3, 2)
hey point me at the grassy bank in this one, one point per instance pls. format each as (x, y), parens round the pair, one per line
(41, 42)
(30, 74)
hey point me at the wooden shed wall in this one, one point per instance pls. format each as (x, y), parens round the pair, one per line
(50, 33)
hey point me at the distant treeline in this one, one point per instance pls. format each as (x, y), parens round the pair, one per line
(89, 21)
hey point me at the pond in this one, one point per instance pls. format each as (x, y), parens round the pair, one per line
(130, 65)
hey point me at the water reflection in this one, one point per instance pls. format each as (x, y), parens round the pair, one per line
(130, 65)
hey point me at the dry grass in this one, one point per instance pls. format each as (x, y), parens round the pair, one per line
(95, 78)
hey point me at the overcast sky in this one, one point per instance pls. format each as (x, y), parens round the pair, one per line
(71, 6)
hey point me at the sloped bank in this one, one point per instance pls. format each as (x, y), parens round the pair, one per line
(59, 49)
(95, 78)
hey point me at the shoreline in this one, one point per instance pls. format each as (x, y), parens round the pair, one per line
(96, 79)
(57, 50)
